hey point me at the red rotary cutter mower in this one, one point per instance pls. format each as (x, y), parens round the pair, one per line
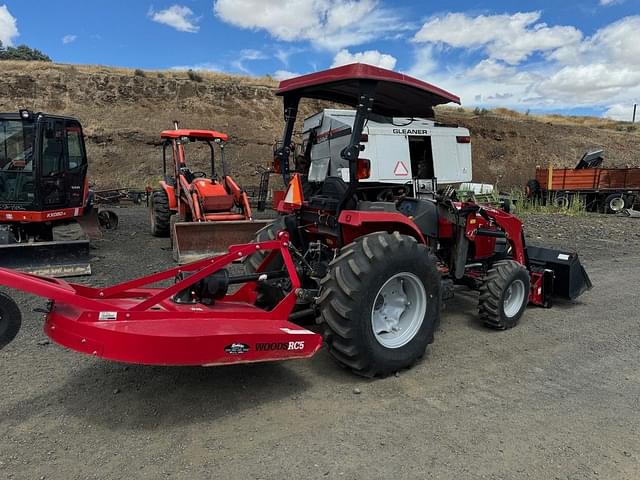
(372, 270)
(195, 321)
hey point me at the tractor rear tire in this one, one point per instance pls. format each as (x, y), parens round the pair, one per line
(10, 320)
(504, 294)
(159, 213)
(380, 274)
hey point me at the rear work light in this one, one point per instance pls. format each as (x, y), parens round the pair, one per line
(463, 139)
(364, 169)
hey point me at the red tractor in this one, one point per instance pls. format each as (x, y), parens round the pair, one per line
(376, 271)
(201, 215)
(372, 273)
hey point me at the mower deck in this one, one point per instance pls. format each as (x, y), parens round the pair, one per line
(134, 323)
(229, 332)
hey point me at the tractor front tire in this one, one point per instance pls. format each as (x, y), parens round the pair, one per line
(380, 303)
(10, 320)
(504, 294)
(159, 213)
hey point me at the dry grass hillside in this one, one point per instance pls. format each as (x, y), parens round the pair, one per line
(124, 110)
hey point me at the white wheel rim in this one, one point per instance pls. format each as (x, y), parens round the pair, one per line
(616, 204)
(398, 310)
(514, 297)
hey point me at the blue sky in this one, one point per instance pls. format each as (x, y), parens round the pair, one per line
(578, 57)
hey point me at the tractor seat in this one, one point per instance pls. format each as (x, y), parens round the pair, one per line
(213, 195)
(332, 194)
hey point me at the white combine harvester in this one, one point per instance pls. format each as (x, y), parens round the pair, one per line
(396, 153)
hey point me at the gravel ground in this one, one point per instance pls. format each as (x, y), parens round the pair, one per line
(558, 397)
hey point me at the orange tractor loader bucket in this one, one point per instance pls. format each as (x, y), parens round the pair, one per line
(196, 240)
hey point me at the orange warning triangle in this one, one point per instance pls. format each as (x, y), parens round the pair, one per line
(293, 197)
(400, 170)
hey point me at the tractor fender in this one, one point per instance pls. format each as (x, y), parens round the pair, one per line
(171, 193)
(355, 223)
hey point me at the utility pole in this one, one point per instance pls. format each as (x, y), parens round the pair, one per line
(635, 106)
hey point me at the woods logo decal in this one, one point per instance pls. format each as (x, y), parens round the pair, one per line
(263, 347)
(236, 348)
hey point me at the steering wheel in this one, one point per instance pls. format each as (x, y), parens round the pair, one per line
(199, 174)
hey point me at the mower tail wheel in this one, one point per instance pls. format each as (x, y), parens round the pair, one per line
(10, 320)
(380, 303)
(159, 213)
(504, 295)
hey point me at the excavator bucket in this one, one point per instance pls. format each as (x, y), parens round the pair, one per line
(53, 259)
(196, 240)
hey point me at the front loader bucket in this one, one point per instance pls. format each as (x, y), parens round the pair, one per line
(53, 259)
(196, 240)
(570, 278)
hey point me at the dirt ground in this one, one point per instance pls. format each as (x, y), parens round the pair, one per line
(557, 397)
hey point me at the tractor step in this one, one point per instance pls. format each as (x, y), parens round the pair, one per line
(197, 240)
(240, 338)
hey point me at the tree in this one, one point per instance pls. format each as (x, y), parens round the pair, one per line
(22, 52)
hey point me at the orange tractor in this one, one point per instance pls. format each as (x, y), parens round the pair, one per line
(201, 215)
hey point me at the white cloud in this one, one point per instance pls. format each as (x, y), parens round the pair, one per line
(606, 3)
(424, 64)
(604, 67)
(622, 112)
(247, 55)
(284, 74)
(8, 26)
(601, 71)
(69, 39)
(327, 24)
(511, 38)
(177, 16)
(372, 57)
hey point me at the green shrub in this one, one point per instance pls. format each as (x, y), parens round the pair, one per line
(139, 73)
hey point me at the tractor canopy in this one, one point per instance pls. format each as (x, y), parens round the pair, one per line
(202, 135)
(396, 94)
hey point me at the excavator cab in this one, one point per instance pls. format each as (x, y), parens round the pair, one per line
(44, 194)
